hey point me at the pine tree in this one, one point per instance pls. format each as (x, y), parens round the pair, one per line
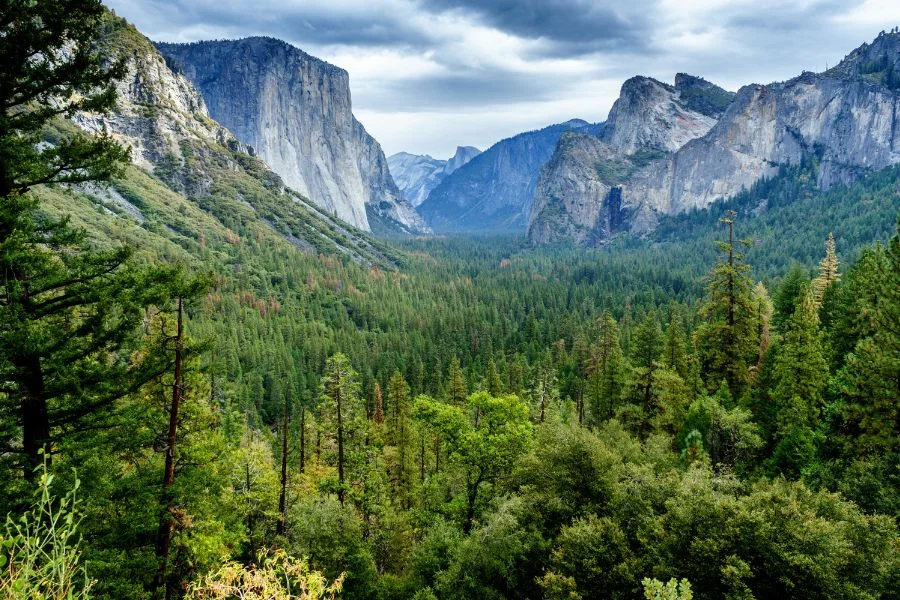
(646, 345)
(378, 410)
(456, 388)
(607, 379)
(51, 69)
(828, 271)
(401, 436)
(794, 282)
(492, 382)
(801, 374)
(340, 393)
(728, 341)
(870, 379)
(674, 353)
(67, 312)
(173, 344)
(765, 311)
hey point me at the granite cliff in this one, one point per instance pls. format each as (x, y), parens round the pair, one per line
(844, 119)
(192, 178)
(295, 111)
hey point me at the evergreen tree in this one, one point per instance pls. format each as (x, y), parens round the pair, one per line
(607, 376)
(646, 344)
(828, 271)
(67, 312)
(674, 353)
(870, 380)
(401, 437)
(728, 340)
(492, 382)
(51, 69)
(340, 393)
(765, 310)
(792, 285)
(801, 374)
(456, 388)
(378, 410)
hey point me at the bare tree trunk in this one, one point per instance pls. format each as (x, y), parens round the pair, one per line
(282, 498)
(35, 420)
(302, 439)
(164, 542)
(340, 436)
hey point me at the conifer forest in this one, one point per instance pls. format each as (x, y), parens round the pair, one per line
(212, 387)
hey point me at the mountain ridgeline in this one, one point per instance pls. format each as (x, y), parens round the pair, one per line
(295, 111)
(417, 174)
(494, 191)
(663, 149)
(669, 149)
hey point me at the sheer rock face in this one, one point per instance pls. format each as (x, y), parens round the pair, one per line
(845, 118)
(417, 174)
(295, 111)
(572, 200)
(494, 191)
(651, 114)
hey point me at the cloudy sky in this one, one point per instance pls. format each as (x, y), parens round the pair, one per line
(428, 75)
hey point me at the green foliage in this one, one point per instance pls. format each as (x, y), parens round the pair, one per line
(279, 577)
(483, 439)
(673, 589)
(635, 446)
(40, 554)
(51, 69)
(729, 437)
(801, 374)
(330, 536)
(870, 380)
(729, 338)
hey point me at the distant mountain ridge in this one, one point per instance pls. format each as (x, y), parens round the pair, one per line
(494, 191)
(845, 120)
(417, 174)
(295, 111)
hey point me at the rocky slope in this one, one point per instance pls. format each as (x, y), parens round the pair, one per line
(494, 191)
(417, 174)
(295, 111)
(183, 157)
(650, 114)
(844, 119)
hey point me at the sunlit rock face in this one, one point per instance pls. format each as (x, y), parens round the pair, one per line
(295, 111)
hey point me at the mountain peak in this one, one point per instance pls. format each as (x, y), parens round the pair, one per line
(650, 114)
(878, 61)
(295, 110)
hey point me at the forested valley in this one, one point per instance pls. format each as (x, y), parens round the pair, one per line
(709, 411)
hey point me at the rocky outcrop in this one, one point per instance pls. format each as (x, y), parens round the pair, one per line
(295, 111)
(494, 191)
(844, 119)
(159, 114)
(417, 174)
(463, 155)
(578, 197)
(651, 115)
